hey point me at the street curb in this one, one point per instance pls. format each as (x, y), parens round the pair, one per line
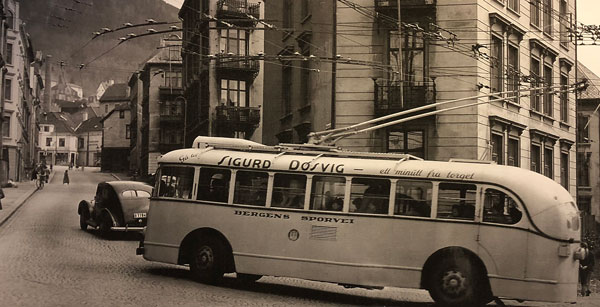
(20, 201)
(115, 176)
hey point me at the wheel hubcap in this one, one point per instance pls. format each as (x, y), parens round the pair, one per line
(453, 283)
(205, 257)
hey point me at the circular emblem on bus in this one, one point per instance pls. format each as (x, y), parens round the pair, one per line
(293, 235)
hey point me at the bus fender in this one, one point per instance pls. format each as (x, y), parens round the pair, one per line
(452, 251)
(187, 244)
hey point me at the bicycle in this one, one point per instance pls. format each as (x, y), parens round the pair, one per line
(39, 183)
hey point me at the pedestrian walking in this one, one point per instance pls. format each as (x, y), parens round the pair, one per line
(66, 177)
(1, 197)
(586, 267)
(50, 166)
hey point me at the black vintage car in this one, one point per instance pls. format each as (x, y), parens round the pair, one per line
(117, 206)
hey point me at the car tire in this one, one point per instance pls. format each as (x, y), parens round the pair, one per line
(83, 217)
(457, 281)
(105, 224)
(207, 263)
(247, 278)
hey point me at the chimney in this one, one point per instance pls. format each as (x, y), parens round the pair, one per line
(85, 115)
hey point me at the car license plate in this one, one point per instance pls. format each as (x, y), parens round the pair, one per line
(139, 215)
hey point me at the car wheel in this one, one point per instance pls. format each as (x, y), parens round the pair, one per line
(208, 260)
(247, 278)
(105, 224)
(83, 217)
(456, 281)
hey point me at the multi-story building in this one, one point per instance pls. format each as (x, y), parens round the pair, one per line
(89, 142)
(114, 95)
(115, 138)
(222, 80)
(345, 61)
(17, 100)
(157, 107)
(57, 139)
(588, 147)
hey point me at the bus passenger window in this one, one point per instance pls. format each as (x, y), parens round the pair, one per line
(456, 201)
(251, 188)
(370, 195)
(500, 208)
(288, 191)
(213, 184)
(327, 193)
(176, 182)
(413, 198)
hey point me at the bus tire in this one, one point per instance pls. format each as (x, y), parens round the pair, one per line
(457, 281)
(247, 278)
(207, 260)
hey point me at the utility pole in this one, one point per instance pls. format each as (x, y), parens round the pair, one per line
(401, 54)
(3, 29)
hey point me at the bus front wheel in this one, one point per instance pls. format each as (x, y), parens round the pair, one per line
(456, 281)
(207, 261)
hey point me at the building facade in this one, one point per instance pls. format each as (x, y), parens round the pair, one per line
(115, 138)
(89, 142)
(346, 62)
(158, 107)
(222, 78)
(57, 139)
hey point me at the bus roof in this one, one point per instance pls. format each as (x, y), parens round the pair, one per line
(536, 190)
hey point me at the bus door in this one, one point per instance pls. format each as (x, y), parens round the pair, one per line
(502, 241)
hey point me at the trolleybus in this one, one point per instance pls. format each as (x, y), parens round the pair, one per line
(467, 231)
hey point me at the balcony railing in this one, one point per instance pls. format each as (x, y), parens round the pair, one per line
(416, 94)
(171, 114)
(237, 65)
(237, 9)
(238, 118)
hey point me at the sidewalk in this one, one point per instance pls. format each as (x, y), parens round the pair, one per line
(14, 198)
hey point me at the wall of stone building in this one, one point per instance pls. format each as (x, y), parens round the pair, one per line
(114, 130)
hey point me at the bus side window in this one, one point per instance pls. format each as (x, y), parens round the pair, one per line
(456, 201)
(213, 184)
(251, 188)
(288, 191)
(176, 182)
(500, 208)
(327, 193)
(370, 195)
(413, 198)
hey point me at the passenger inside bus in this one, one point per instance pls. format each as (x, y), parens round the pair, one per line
(374, 199)
(217, 188)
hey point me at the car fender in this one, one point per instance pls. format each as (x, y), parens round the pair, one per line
(83, 206)
(112, 217)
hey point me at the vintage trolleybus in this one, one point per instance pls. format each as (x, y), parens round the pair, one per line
(466, 231)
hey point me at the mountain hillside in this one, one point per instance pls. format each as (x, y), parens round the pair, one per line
(62, 28)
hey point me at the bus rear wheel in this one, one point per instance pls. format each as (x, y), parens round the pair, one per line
(207, 261)
(456, 281)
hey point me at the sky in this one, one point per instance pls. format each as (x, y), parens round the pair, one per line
(586, 13)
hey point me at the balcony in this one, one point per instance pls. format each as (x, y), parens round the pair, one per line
(390, 7)
(171, 114)
(236, 66)
(416, 94)
(237, 118)
(237, 11)
(170, 90)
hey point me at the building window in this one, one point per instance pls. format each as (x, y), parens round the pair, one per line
(234, 93)
(9, 53)
(413, 51)
(564, 21)
(305, 78)
(583, 172)
(583, 131)
(407, 142)
(80, 143)
(513, 5)
(536, 157)
(234, 41)
(564, 169)
(548, 96)
(497, 148)
(513, 71)
(127, 132)
(48, 142)
(564, 98)
(8, 89)
(535, 82)
(121, 114)
(288, 10)
(496, 64)
(61, 142)
(286, 90)
(10, 19)
(513, 158)
(548, 162)
(173, 79)
(535, 11)
(106, 108)
(46, 128)
(548, 17)
(6, 126)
